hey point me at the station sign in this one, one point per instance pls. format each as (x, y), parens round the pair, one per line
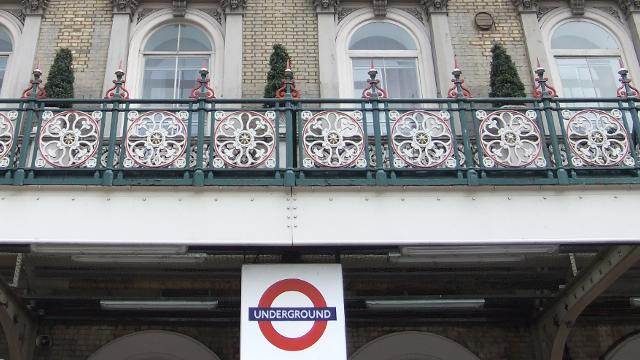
(292, 312)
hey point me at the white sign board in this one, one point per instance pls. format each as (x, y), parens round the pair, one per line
(292, 312)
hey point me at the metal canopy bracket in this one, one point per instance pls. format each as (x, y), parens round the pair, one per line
(18, 326)
(557, 319)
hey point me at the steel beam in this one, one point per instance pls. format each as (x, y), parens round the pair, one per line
(556, 320)
(19, 328)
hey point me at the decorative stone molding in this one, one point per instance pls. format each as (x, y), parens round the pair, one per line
(415, 12)
(629, 6)
(34, 6)
(344, 12)
(380, 7)
(17, 13)
(435, 6)
(179, 8)
(542, 11)
(214, 13)
(234, 5)
(124, 6)
(326, 5)
(611, 11)
(526, 5)
(144, 12)
(577, 7)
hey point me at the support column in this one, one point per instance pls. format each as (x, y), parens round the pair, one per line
(18, 327)
(443, 55)
(557, 319)
(328, 66)
(631, 9)
(232, 78)
(533, 35)
(119, 39)
(24, 52)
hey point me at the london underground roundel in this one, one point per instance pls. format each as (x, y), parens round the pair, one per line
(319, 315)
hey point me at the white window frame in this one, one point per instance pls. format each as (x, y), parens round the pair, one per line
(620, 32)
(418, 31)
(155, 21)
(175, 54)
(12, 85)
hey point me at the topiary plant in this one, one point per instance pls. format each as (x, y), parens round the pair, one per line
(60, 80)
(277, 66)
(504, 78)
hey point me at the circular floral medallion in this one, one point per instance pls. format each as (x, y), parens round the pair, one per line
(6, 137)
(421, 138)
(510, 138)
(332, 139)
(596, 138)
(68, 139)
(156, 139)
(245, 139)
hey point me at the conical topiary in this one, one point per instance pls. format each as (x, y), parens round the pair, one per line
(277, 66)
(60, 80)
(504, 78)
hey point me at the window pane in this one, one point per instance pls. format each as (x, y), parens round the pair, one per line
(164, 39)
(582, 35)
(5, 41)
(159, 76)
(381, 36)
(192, 39)
(588, 77)
(188, 73)
(3, 68)
(399, 77)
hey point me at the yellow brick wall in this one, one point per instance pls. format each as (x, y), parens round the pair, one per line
(473, 46)
(84, 27)
(292, 23)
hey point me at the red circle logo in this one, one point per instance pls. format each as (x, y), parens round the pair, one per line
(272, 335)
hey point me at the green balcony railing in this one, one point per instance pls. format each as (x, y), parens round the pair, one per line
(288, 141)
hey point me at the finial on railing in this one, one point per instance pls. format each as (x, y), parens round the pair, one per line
(288, 88)
(626, 89)
(458, 90)
(118, 91)
(373, 90)
(35, 90)
(542, 89)
(202, 90)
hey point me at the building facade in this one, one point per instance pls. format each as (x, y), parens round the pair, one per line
(168, 173)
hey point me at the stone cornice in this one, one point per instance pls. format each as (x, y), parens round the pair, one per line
(124, 6)
(34, 6)
(526, 5)
(435, 6)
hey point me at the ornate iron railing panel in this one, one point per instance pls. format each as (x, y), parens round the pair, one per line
(300, 142)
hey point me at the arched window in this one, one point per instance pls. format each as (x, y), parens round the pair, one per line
(173, 55)
(393, 52)
(398, 45)
(6, 48)
(587, 58)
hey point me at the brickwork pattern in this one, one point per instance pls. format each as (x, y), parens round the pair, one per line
(292, 23)
(473, 46)
(84, 27)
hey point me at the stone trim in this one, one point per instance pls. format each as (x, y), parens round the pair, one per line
(234, 5)
(577, 7)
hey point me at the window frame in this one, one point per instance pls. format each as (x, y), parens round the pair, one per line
(417, 30)
(617, 28)
(149, 25)
(13, 84)
(174, 54)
